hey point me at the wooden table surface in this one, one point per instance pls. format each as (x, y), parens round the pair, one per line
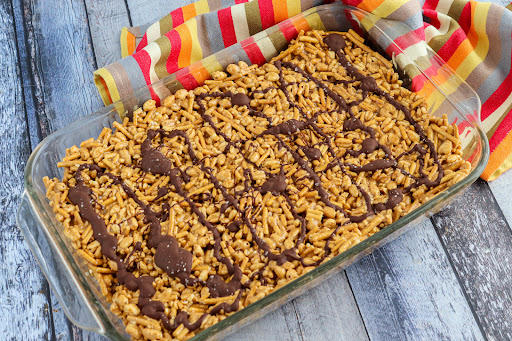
(449, 278)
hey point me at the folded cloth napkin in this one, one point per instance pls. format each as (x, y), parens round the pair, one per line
(474, 38)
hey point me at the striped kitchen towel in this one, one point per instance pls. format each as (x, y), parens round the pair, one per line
(474, 38)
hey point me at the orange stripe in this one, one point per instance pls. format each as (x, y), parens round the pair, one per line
(105, 87)
(505, 166)
(131, 44)
(473, 34)
(370, 5)
(186, 47)
(301, 24)
(189, 11)
(280, 10)
(460, 54)
(497, 157)
(199, 73)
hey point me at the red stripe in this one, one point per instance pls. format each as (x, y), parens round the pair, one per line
(241, 1)
(393, 49)
(353, 2)
(405, 41)
(144, 60)
(143, 43)
(353, 22)
(498, 97)
(465, 18)
(451, 45)
(430, 4)
(172, 61)
(432, 16)
(418, 82)
(289, 31)
(226, 26)
(266, 13)
(431, 71)
(503, 130)
(409, 38)
(177, 17)
(186, 79)
(420, 32)
(253, 51)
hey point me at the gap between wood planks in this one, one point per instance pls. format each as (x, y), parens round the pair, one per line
(37, 92)
(21, 287)
(478, 240)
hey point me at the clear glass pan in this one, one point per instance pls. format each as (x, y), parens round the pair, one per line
(69, 277)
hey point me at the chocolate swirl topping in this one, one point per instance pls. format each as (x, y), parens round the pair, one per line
(177, 261)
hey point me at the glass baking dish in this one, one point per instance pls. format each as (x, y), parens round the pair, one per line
(75, 287)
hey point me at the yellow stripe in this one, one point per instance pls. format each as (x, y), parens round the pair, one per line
(111, 85)
(315, 21)
(197, 52)
(103, 74)
(127, 42)
(124, 43)
(384, 9)
(293, 7)
(202, 7)
(211, 64)
(499, 161)
(506, 165)
(482, 47)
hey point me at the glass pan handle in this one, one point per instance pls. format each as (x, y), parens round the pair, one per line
(56, 270)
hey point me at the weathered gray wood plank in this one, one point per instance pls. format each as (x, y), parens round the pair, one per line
(502, 190)
(22, 286)
(25, 76)
(330, 312)
(280, 325)
(62, 62)
(407, 290)
(106, 19)
(59, 69)
(145, 12)
(478, 241)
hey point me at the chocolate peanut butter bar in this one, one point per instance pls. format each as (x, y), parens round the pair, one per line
(190, 211)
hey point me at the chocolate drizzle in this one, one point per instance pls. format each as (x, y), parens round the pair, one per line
(276, 184)
(286, 128)
(177, 261)
(312, 153)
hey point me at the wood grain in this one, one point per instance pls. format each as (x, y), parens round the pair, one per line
(478, 241)
(407, 290)
(280, 325)
(58, 63)
(22, 286)
(144, 12)
(106, 19)
(330, 312)
(502, 191)
(61, 62)
(25, 75)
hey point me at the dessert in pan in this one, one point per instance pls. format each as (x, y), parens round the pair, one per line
(188, 212)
